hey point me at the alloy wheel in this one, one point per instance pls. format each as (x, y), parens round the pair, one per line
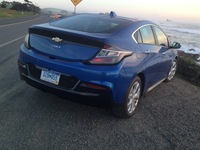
(172, 71)
(133, 97)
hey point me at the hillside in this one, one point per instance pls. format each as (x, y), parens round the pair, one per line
(53, 11)
(9, 13)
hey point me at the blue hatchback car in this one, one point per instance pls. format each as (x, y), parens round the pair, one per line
(114, 58)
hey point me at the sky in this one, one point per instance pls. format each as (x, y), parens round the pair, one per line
(175, 10)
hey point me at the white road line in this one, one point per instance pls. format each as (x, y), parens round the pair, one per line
(6, 25)
(12, 41)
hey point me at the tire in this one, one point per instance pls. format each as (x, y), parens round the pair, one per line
(172, 71)
(127, 109)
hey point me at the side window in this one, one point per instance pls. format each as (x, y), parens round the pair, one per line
(137, 37)
(147, 35)
(162, 39)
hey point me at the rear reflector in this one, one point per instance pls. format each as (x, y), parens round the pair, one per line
(96, 87)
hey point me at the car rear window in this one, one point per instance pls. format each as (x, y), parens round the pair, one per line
(92, 23)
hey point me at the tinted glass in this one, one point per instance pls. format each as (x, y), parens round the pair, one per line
(162, 39)
(138, 37)
(92, 23)
(147, 35)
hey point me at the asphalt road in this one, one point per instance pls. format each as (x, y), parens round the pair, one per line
(5, 21)
(167, 118)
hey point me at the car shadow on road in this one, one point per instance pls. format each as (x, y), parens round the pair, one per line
(80, 105)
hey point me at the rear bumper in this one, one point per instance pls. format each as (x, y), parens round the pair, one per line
(85, 80)
(78, 89)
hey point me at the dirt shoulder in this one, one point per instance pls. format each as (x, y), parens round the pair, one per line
(173, 110)
(4, 21)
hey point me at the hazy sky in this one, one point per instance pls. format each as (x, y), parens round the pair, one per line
(180, 10)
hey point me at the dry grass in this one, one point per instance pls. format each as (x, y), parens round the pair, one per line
(9, 13)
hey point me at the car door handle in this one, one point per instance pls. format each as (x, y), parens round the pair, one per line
(147, 52)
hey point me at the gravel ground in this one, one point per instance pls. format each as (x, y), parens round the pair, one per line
(167, 118)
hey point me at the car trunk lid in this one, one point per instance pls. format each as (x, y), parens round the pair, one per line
(65, 44)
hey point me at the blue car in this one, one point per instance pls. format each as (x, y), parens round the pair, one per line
(113, 58)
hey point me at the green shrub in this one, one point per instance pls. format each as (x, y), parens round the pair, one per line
(3, 5)
(189, 69)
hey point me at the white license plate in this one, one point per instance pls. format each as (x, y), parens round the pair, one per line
(50, 76)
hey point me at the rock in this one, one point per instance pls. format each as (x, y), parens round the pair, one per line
(195, 57)
(191, 49)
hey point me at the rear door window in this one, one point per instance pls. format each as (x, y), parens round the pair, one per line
(147, 35)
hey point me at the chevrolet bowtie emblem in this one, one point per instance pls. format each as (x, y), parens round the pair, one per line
(57, 39)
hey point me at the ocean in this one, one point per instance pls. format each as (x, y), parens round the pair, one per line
(188, 35)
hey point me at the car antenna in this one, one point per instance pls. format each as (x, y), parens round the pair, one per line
(112, 14)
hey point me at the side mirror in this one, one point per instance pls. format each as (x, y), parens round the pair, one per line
(175, 45)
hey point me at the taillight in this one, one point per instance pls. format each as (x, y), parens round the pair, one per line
(26, 41)
(110, 55)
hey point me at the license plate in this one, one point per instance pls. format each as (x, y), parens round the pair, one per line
(50, 76)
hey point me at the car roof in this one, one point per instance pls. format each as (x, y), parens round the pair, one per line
(106, 15)
(132, 20)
